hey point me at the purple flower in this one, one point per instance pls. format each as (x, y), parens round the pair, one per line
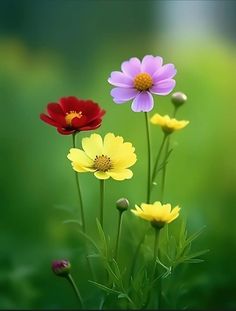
(138, 80)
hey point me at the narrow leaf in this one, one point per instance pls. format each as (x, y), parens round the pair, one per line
(105, 288)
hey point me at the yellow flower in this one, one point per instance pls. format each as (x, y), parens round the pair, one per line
(156, 213)
(167, 124)
(106, 158)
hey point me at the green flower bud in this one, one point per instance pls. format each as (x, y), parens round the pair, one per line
(178, 99)
(122, 204)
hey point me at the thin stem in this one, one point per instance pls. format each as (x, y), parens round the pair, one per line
(155, 255)
(149, 158)
(82, 209)
(156, 270)
(165, 158)
(118, 235)
(137, 253)
(79, 193)
(102, 186)
(175, 111)
(164, 169)
(156, 242)
(76, 290)
(154, 173)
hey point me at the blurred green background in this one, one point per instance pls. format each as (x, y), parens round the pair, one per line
(55, 48)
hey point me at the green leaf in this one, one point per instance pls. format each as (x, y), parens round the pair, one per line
(123, 295)
(105, 288)
(194, 236)
(90, 240)
(197, 254)
(102, 237)
(72, 221)
(194, 260)
(65, 208)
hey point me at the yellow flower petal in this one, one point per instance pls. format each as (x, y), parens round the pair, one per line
(157, 212)
(120, 175)
(112, 144)
(78, 168)
(168, 125)
(101, 175)
(142, 215)
(80, 157)
(125, 157)
(93, 145)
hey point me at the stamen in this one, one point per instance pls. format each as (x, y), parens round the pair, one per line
(71, 115)
(143, 81)
(102, 163)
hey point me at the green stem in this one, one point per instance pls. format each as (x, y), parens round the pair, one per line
(137, 253)
(149, 158)
(155, 255)
(156, 270)
(156, 251)
(82, 209)
(79, 192)
(75, 288)
(163, 181)
(118, 235)
(154, 173)
(175, 111)
(102, 186)
(156, 242)
(165, 158)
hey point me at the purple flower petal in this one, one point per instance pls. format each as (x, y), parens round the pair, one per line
(151, 64)
(143, 102)
(168, 71)
(164, 87)
(123, 94)
(118, 78)
(131, 67)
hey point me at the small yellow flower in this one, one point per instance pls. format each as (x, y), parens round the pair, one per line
(167, 124)
(156, 213)
(106, 158)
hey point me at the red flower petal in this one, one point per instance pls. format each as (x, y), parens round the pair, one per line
(92, 126)
(78, 122)
(64, 131)
(48, 120)
(70, 103)
(90, 109)
(56, 112)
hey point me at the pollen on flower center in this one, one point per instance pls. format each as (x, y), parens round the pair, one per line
(71, 115)
(102, 163)
(143, 81)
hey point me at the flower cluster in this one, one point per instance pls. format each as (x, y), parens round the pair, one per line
(111, 157)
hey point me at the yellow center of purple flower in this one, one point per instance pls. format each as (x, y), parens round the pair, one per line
(102, 163)
(143, 81)
(71, 115)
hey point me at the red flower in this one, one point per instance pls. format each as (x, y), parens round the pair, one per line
(72, 115)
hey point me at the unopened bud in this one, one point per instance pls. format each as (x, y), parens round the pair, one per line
(178, 99)
(122, 204)
(61, 267)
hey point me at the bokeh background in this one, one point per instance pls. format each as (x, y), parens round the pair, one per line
(55, 48)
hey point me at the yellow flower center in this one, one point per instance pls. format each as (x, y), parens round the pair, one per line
(143, 81)
(102, 163)
(71, 115)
